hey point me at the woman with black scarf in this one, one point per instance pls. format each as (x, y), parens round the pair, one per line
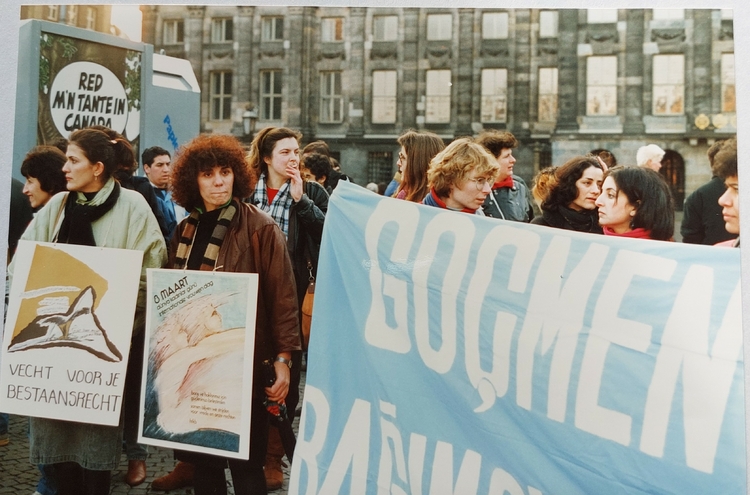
(570, 203)
(95, 211)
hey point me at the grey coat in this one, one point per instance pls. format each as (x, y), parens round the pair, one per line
(510, 203)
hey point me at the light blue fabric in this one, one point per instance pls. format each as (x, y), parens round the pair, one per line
(475, 356)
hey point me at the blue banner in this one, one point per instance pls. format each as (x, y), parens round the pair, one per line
(457, 354)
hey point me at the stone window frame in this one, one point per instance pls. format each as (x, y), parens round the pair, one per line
(71, 15)
(494, 103)
(493, 30)
(727, 88)
(270, 99)
(382, 98)
(272, 28)
(389, 25)
(222, 30)
(221, 97)
(173, 31)
(337, 29)
(436, 27)
(598, 80)
(438, 96)
(91, 18)
(53, 13)
(601, 16)
(547, 95)
(331, 97)
(668, 14)
(668, 86)
(553, 24)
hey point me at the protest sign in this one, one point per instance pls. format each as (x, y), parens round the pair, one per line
(452, 353)
(67, 336)
(198, 361)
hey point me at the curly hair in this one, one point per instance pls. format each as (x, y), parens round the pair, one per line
(651, 197)
(725, 160)
(451, 166)
(543, 182)
(263, 145)
(115, 152)
(565, 191)
(318, 164)
(496, 141)
(45, 163)
(420, 147)
(204, 153)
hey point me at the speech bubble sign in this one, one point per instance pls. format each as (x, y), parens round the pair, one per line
(85, 94)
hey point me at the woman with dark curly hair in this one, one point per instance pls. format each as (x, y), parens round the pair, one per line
(96, 211)
(570, 201)
(209, 178)
(299, 207)
(636, 202)
(418, 148)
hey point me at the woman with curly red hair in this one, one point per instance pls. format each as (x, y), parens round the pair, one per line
(222, 233)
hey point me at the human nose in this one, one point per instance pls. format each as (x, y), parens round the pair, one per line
(66, 167)
(598, 201)
(723, 199)
(486, 188)
(25, 187)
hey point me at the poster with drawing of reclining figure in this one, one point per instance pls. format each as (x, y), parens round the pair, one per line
(198, 361)
(67, 336)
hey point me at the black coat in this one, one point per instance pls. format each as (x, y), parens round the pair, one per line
(702, 221)
(565, 218)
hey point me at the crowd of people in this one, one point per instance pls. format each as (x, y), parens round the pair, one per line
(217, 206)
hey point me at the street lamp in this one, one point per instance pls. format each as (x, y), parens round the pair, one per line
(249, 118)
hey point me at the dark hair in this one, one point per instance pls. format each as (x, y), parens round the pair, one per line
(60, 143)
(564, 191)
(651, 197)
(725, 160)
(606, 156)
(149, 155)
(110, 148)
(497, 141)
(317, 147)
(204, 153)
(421, 147)
(263, 145)
(45, 163)
(318, 165)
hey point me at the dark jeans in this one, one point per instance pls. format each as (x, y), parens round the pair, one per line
(131, 401)
(72, 479)
(247, 476)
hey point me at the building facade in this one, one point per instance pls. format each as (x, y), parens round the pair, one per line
(94, 17)
(565, 82)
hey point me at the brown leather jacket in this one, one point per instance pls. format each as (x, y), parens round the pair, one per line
(255, 244)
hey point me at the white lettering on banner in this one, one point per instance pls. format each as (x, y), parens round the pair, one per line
(554, 316)
(555, 312)
(377, 331)
(494, 384)
(607, 328)
(462, 229)
(352, 452)
(706, 381)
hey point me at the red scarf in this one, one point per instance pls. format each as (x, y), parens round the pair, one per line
(507, 182)
(442, 204)
(639, 233)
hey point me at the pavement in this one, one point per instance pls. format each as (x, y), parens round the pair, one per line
(19, 477)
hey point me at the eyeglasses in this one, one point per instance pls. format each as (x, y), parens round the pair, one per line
(480, 183)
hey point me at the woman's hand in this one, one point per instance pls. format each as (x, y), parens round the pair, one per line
(296, 184)
(280, 388)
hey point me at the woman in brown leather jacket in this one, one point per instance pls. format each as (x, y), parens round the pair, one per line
(209, 177)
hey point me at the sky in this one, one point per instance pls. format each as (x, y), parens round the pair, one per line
(128, 19)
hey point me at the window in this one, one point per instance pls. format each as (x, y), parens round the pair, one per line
(379, 166)
(221, 95)
(221, 30)
(384, 96)
(494, 95)
(547, 94)
(601, 16)
(270, 95)
(174, 31)
(53, 13)
(669, 84)
(548, 21)
(439, 26)
(601, 85)
(727, 14)
(668, 14)
(90, 18)
(71, 15)
(495, 25)
(331, 100)
(728, 102)
(385, 28)
(438, 97)
(273, 28)
(332, 29)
